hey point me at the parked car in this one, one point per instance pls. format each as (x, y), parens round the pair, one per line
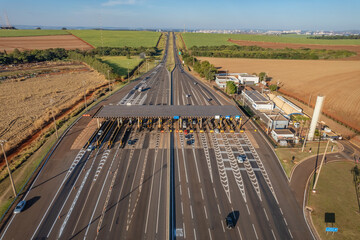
(20, 206)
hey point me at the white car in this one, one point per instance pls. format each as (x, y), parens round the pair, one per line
(20, 206)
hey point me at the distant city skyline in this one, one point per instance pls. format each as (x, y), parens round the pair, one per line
(310, 15)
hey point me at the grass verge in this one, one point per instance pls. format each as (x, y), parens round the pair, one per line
(121, 64)
(336, 194)
(170, 61)
(286, 154)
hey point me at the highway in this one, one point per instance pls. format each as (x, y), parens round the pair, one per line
(118, 190)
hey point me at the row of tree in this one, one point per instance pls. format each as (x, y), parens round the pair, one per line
(17, 57)
(123, 51)
(235, 51)
(204, 68)
(335, 37)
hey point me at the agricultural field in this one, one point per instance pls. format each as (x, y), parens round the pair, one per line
(8, 44)
(121, 64)
(28, 33)
(340, 199)
(305, 79)
(107, 38)
(27, 102)
(210, 39)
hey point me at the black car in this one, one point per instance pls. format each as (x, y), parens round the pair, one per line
(229, 222)
(190, 142)
(131, 142)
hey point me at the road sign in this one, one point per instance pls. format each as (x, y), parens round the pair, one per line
(217, 116)
(176, 117)
(227, 117)
(179, 53)
(331, 229)
(237, 117)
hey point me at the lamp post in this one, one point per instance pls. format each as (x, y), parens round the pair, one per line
(7, 165)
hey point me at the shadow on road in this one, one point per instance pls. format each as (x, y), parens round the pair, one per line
(31, 202)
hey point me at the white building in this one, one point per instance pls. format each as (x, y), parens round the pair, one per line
(258, 101)
(243, 78)
(221, 80)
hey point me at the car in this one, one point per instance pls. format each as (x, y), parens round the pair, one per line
(187, 95)
(186, 131)
(90, 147)
(20, 206)
(190, 142)
(100, 132)
(189, 136)
(131, 142)
(229, 222)
(241, 158)
(195, 83)
(209, 99)
(194, 121)
(216, 130)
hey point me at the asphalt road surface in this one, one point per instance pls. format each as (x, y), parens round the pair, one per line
(119, 191)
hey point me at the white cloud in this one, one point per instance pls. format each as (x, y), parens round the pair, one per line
(119, 2)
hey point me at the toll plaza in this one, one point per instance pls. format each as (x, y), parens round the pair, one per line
(174, 117)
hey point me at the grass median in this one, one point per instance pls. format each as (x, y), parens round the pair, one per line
(336, 194)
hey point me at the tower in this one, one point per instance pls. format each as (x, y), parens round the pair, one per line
(316, 115)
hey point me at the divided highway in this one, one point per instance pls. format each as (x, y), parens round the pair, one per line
(118, 189)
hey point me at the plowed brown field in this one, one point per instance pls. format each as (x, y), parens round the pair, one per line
(274, 45)
(42, 42)
(338, 80)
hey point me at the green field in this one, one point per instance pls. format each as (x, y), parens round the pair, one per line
(211, 39)
(120, 64)
(336, 194)
(27, 33)
(118, 38)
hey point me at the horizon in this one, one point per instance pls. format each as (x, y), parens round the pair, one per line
(332, 15)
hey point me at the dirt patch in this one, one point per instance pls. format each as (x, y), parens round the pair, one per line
(305, 79)
(43, 42)
(352, 48)
(27, 104)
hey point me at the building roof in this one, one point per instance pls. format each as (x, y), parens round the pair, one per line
(285, 131)
(256, 96)
(165, 111)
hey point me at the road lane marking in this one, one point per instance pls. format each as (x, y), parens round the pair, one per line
(159, 198)
(194, 234)
(255, 231)
(247, 207)
(239, 232)
(191, 210)
(205, 212)
(273, 234)
(188, 192)
(266, 214)
(219, 208)
(182, 208)
(12, 218)
(222, 224)
(210, 233)
(290, 234)
(285, 222)
(202, 194)
(215, 192)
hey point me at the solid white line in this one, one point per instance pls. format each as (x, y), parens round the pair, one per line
(210, 234)
(7, 226)
(177, 152)
(266, 214)
(159, 199)
(191, 210)
(248, 209)
(189, 193)
(184, 231)
(205, 213)
(290, 234)
(219, 209)
(239, 232)
(281, 211)
(180, 190)
(285, 221)
(215, 193)
(273, 234)
(182, 208)
(255, 231)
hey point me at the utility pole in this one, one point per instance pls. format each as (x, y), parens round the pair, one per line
(7, 165)
(128, 72)
(321, 164)
(85, 95)
(108, 71)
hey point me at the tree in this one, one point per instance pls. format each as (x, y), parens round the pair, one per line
(262, 76)
(231, 87)
(64, 28)
(273, 87)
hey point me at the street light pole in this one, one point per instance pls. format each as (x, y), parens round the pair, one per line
(52, 114)
(321, 164)
(7, 165)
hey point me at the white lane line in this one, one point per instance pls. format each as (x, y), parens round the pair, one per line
(219, 209)
(222, 224)
(266, 214)
(248, 209)
(202, 194)
(189, 193)
(281, 211)
(194, 234)
(159, 198)
(184, 230)
(183, 152)
(177, 153)
(285, 221)
(255, 231)
(215, 193)
(210, 234)
(205, 213)
(191, 210)
(182, 208)
(290, 234)
(273, 234)
(7, 226)
(239, 232)
(180, 191)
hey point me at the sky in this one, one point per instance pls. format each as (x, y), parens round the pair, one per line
(194, 14)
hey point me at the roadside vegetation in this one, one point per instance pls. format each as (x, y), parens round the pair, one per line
(236, 51)
(213, 39)
(336, 37)
(122, 65)
(290, 157)
(29, 33)
(204, 68)
(109, 38)
(170, 61)
(336, 194)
